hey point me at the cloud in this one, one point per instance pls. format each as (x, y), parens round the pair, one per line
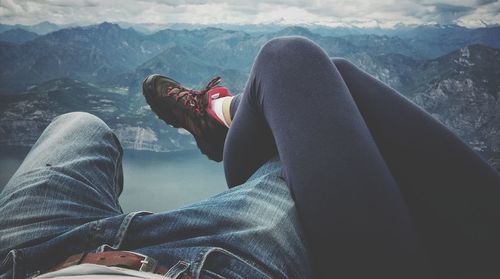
(445, 13)
(364, 13)
(12, 7)
(485, 2)
(487, 14)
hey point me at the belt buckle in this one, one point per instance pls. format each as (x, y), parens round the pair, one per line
(148, 264)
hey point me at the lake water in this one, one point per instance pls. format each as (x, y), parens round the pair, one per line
(152, 181)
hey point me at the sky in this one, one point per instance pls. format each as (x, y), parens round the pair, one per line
(359, 13)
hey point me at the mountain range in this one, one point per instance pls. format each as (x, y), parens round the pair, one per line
(100, 68)
(41, 28)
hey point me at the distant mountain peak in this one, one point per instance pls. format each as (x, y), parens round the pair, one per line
(213, 28)
(108, 25)
(295, 30)
(45, 23)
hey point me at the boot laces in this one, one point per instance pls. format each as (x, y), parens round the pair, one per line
(192, 99)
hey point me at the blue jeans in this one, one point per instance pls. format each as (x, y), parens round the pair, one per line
(381, 189)
(63, 200)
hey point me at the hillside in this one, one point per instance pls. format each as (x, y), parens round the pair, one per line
(100, 69)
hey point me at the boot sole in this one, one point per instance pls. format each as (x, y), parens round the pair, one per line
(149, 92)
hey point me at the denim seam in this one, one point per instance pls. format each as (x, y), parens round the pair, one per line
(199, 261)
(9, 259)
(115, 149)
(177, 269)
(12, 259)
(122, 231)
(115, 178)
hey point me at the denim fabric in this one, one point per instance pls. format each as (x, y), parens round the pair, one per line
(63, 200)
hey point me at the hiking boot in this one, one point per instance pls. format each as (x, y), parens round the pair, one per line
(189, 109)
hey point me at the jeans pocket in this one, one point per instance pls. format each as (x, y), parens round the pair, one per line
(217, 263)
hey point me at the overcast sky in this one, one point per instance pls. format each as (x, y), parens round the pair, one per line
(361, 13)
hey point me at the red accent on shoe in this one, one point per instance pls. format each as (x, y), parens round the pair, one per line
(223, 92)
(187, 108)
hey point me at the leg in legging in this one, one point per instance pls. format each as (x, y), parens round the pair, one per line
(296, 103)
(452, 194)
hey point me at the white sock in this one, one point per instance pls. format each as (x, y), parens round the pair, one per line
(216, 106)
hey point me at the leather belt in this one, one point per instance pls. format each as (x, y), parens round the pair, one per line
(125, 259)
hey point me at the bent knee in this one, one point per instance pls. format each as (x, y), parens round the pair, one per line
(289, 41)
(82, 120)
(289, 45)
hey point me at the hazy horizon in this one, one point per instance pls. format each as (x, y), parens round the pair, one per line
(343, 13)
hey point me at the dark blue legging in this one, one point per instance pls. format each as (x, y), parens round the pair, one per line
(382, 189)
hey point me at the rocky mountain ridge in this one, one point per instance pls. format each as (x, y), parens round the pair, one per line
(460, 89)
(23, 117)
(17, 36)
(99, 53)
(100, 69)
